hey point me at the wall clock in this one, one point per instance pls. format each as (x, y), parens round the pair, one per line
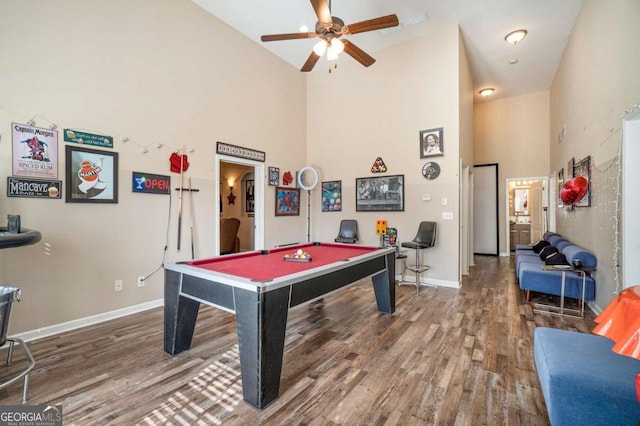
(431, 170)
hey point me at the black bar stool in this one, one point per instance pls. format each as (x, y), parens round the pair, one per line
(424, 239)
(8, 295)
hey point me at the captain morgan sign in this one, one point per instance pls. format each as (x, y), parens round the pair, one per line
(35, 151)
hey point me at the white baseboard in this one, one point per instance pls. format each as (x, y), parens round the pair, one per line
(83, 322)
(408, 279)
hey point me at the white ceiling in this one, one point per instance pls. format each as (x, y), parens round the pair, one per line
(483, 24)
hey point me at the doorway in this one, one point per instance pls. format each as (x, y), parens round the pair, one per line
(630, 203)
(526, 210)
(486, 235)
(239, 192)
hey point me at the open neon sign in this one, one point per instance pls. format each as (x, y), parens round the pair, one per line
(151, 184)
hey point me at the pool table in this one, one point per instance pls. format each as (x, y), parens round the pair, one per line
(259, 287)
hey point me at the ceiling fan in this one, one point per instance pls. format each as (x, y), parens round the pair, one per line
(329, 29)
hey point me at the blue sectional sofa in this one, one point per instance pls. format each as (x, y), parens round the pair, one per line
(532, 277)
(583, 381)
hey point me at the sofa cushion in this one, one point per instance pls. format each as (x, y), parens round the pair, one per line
(561, 244)
(529, 257)
(556, 259)
(533, 278)
(547, 251)
(587, 258)
(537, 247)
(583, 381)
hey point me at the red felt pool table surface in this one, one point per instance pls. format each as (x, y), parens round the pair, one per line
(269, 264)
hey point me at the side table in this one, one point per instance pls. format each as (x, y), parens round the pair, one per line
(561, 310)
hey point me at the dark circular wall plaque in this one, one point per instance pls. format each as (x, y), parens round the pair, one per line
(431, 170)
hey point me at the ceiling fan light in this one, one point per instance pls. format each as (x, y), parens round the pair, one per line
(320, 48)
(332, 54)
(337, 45)
(515, 37)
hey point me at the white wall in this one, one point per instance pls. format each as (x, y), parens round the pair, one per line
(157, 72)
(597, 81)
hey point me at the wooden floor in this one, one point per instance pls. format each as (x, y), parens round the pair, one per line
(448, 357)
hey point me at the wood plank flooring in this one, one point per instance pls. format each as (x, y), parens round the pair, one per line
(446, 357)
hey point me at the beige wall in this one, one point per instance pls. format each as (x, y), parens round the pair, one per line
(356, 114)
(514, 133)
(157, 72)
(597, 81)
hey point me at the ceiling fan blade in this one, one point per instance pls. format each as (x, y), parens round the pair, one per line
(290, 36)
(358, 54)
(372, 24)
(322, 10)
(311, 62)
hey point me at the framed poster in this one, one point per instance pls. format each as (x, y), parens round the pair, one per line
(332, 196)
(376, 194)
(35, 151)
(274, 176)
(583, 169)
(91, 175)
(249, 199)
(287, 201)
(559, 186)
(431, 143)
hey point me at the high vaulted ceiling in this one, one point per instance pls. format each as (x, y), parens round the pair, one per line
(483, 24)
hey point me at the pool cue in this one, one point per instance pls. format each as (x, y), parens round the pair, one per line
(180, 201)
(193, 249)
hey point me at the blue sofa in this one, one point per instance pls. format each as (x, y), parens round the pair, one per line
(532, 278)
(583, 381)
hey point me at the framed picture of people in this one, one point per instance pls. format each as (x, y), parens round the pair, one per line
(376, 194)
(431, 143)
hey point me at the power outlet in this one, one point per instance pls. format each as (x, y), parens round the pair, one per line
(117, 285)
(141, 281)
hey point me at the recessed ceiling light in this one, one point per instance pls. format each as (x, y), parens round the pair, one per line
(486, 92)
(513, 61)
(515, 37)
(304, 29)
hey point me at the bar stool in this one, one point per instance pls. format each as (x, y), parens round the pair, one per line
(9, 294)
(424, 239)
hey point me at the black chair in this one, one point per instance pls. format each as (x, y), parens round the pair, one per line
(348, 232)
(424, 239)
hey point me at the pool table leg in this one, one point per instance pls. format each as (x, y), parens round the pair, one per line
(384, 286)
(261, 320)
(180, 314)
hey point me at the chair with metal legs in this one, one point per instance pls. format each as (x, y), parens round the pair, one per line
(424, 239)
(9, 294)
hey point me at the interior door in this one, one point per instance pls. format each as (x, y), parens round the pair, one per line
(486, 237)
(536, 213)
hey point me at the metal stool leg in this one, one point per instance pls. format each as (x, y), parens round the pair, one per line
(418, 269)
(25, 373)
